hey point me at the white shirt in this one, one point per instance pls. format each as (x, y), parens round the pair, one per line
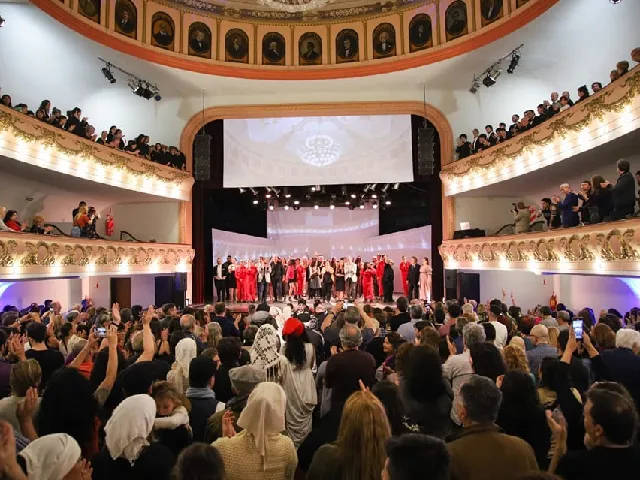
(408, 330)
(501, 334)
(219, 272)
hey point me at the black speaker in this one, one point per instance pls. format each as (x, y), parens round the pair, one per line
(469, 286)
(180, 282)
(202, 157)
(164, 290)
(426, 155)
(470, 233)
(451, 284)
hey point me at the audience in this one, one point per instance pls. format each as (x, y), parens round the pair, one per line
(99, 418)
(75, 123)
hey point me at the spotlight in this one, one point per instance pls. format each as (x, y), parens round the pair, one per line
(106, 71)
(255, 202)
(492, 75)
(270, 207)
(286, 193)
(242, 190)
(347, 202)
(361, 206)
(374, 206)
(332, 206)
(387, 202)
(268, 195)
(316, 206)
(373, 195)
(253, 190)
(475, 86)
(396, 186)
(296, 202)
(286, 207)
(296, 207)
(352, 207)
(385, 188)
(2, 20)
(313, 189)
(515, 59)
(353, 195)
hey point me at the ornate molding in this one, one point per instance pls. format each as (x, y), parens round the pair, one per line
(25, 255)
(605, 116)
(28, 140)
(603, 249)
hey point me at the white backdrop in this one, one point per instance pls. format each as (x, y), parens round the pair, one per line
(332, 233)
(317, 150)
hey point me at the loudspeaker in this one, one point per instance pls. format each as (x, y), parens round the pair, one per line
(164, 290)
(451, 284)
(202, 157)
(180, 282)
(470, 233)
(426, 156)
(469, 286)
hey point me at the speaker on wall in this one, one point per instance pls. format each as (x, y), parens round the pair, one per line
(426, 155)
(469, 286)
(202, 157)
(450, 284)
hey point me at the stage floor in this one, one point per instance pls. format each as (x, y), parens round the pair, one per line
(237, 307)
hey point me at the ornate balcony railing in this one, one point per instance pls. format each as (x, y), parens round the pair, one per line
(602, 249)
(31, 141)
(26, 255)
(603, 117)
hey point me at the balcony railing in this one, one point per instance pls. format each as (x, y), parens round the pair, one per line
(26, 255)
(602, 249)
(37, 143)
(603, 117)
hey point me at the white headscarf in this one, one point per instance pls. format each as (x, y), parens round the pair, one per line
(264, 353)
(264, 415)
(51, 457)
(186, 350)
(129, 426)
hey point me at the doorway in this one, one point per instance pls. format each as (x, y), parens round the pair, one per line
(121, 291)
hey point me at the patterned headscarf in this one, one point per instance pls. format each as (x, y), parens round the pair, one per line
(265, 355)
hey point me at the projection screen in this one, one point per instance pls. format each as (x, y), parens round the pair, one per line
(317, 150)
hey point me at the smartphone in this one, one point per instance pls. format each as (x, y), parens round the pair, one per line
(577, 328)
(347, 304)
(101, 332)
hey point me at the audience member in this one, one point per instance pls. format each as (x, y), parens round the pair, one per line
(402, 455)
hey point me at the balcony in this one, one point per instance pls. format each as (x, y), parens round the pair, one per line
(30, 256)
(39, 144)
(604, 117)
(602, 249)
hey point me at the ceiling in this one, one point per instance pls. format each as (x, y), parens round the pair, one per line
(293, 5)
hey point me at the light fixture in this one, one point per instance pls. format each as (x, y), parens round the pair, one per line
(385, 188)
(332, 206)
(106, 71)
(396, 186)
(2, 20)
(316, 206)
(286, 207)
(320, 151)
(353, 195)
(373, 195)
(296, 202)
(297, 6)
(347, 202)
(615, 2)
(270, 206)
(267, 195)
(475, 85)
(253, 190)
(515, 59)
(375, 205)
(352, 207)
(242, 190)
(296, 207)
(387, 202)
(286, 192)
(255, 201)
(361, 206)
(313, 189)
(492, 75)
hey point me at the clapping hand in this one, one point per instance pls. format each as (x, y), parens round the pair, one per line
(228, 430)
(26, 407)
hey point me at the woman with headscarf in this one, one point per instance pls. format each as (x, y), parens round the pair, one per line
(128, 454)
(264, 353)
(186, 350)
(298, 382)
(260, 450)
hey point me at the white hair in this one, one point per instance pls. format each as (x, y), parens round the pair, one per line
(565, 185)
(627, 338)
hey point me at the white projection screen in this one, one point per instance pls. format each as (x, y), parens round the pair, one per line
(332, 233)
(317, 150)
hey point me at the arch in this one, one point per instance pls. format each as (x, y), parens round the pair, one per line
(163, 31)
(431, 113)
(274, 49)
(126, 19)
(200, 40)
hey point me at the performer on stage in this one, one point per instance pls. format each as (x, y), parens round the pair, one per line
(425, 280)
(300, 274)
(252, 281)
(380, 273)
(404, 270)
(277, 272)
(264, 278)
(340, 280)
(291, 278)
(226, 266)
(241, 273)
(388, 278)
(350, 275)
(368, 274)
(314, 278)
(359, 276)
(219, 278)
(413, 277)
(231, 283)
(327, 281)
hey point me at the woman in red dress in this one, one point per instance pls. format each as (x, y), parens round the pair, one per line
(367, 282)
(251, 282)
(241, 273)
(404, 271)
(300, 274)
(379, 272)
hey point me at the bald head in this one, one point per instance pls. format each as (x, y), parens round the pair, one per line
(188, 323)
(540, 334)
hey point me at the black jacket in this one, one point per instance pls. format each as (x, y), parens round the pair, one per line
(413, 275)
(201, 410)
(624, 192)
(602, 199)
(463, 150)
(388, 274)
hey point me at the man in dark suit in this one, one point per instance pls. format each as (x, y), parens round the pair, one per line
(310, 55)
(273, 54)
(384, 46)
(219, 278)
(388, 277)
(198, 42)
(475, 145)
(464, 148)
(225, 266)
(237, 49)
(623, 193)
(413, 277)
(125, 24)
(277, 272)
(162, 36)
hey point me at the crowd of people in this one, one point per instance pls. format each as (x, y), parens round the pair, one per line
(74, 122)
(84, 222)
(597, 201)
(276, 279)
(531, 119)
(442, 390)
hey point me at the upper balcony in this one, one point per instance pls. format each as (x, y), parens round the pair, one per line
(601, 119)
(30, 141)
(28, 256)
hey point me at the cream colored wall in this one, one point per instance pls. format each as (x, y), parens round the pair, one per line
(488, 214)
(146, 221)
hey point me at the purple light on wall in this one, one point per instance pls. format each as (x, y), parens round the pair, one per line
(3, 288)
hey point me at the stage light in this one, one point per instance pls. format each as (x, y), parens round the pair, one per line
(268, 195)
(286, 207)
(475, 86)
(313, 189)
(106, 71)
(332, 206)
(386, 187)
(253, 190)
(492, 75)
(374, 206)
(515, 59)
(242, 190)
(396, 186)
(373, 195)
(347, 202)
(316, 206)
(270, 207)
(361, 206)
(352, 207)
(353, 195)
(286, 193)
(255, 202)
(2, 20)
(296, 202)
(387, 202)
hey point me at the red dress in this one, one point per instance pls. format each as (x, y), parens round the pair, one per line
(379, 273)
(404, 271)
(367, 284)
(251, 283)
(241, 273)
(300, 275)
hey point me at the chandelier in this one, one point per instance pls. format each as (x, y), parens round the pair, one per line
(295, 5)
(320, 151)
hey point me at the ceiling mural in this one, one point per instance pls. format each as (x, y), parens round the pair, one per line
(273, 37)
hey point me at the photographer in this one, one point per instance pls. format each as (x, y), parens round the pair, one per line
(521, 217)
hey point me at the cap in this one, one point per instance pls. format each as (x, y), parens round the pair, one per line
(293, 327)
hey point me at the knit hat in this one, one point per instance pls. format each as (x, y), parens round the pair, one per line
(293, 327)
(244, 379)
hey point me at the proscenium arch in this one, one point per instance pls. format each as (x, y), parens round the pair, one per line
(431, 113)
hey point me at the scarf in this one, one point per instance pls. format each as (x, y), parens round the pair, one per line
(129, 427)
(51, 457)
(264, 353)
(186, 350)
(264, 415)
(193, 392)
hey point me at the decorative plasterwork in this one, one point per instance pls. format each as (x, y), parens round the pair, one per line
(30, 141)
(603, 249)
(24, 255)
(603, 117)
(214, 58)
